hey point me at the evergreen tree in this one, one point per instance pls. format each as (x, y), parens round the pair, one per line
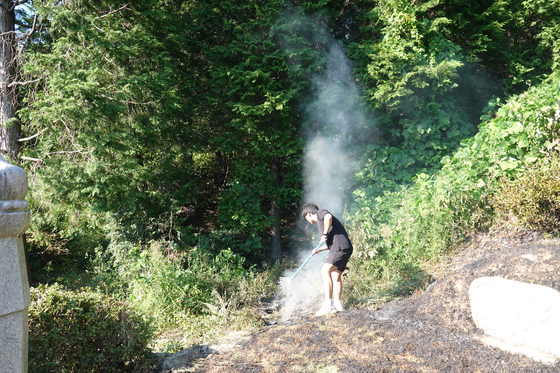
(259, 64)
(112, 109)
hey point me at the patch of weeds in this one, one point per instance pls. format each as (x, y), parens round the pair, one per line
(321, 368)
(534, 197)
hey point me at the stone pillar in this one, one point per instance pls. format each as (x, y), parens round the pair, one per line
(14, 285)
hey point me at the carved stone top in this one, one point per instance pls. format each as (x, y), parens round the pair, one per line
(14, 215)
(13, 186)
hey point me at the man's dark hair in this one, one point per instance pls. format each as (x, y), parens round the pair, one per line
(309, 207)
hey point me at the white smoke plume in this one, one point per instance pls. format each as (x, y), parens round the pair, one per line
(333, 117)
(332, 120)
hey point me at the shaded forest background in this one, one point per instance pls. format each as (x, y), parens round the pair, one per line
(170, 144)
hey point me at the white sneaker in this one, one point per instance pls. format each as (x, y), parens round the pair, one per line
(325, 309)
(337, 307)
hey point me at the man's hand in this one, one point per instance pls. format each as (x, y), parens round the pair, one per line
(317, 250)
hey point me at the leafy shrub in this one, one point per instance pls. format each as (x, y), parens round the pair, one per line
(162, 283)
(198, 292)
(161, 289)
(534, 197)
(84, 331)
(398, 236)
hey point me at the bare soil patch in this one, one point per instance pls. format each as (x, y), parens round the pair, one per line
(430, 331)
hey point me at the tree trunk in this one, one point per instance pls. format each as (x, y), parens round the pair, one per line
(10, 127)
(275, 212)
(276, 237)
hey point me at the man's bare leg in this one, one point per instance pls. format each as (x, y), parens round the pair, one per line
(336, 277)
(326, 272)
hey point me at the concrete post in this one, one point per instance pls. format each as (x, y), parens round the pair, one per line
(14, 285)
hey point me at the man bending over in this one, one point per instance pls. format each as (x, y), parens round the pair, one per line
(340, 249)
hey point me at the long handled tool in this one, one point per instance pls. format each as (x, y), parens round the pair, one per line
(285, 283)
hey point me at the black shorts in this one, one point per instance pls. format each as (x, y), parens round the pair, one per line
(339, 257)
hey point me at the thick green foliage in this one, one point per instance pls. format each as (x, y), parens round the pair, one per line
(524, 129)
(533, 198)
(512, 39)
(189, 112)
(400, 233)
(260, 68)
(402, 229)
(156, 109)
(409, 69)
(416, 64)
(85, 331)
(110, 116)
(168, 118)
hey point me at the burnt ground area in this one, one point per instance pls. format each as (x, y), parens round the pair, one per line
(429, 331)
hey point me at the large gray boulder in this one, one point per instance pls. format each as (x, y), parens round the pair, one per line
(526, 314)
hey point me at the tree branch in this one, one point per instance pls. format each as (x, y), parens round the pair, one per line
(27, 35)
(68, 152)
(22, 24)
(108, 14)
(7, 33)
(31, 159)
(30, 137)
(16, 3)
(114, 11)
(23, 83)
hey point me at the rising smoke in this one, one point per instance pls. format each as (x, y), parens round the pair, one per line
(334, 116)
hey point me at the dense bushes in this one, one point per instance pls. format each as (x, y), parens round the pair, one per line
(199, 293)
(84, 331)
(399, 232)
(400, 235)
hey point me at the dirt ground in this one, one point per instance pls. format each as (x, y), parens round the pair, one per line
(430, 331)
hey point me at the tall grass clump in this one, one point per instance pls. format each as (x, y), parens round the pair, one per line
(533, 198)
(400, 233)
(196, 293)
